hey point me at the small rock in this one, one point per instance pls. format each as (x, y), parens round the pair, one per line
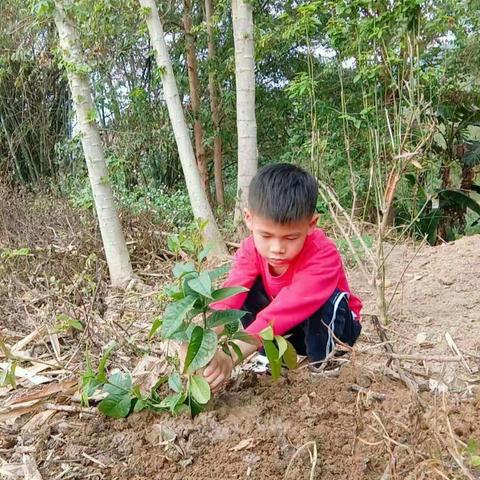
(445, 281)
(304, 401)
(421, 338)
(363, 380)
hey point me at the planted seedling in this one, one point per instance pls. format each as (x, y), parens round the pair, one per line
(188, 319)
(278, 351)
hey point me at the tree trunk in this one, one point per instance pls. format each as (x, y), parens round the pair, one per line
(194, 85)
(214, 105)
(198, 198)
(242, 18)
(116, 251)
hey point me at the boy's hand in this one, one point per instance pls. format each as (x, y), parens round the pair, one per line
(218, 370)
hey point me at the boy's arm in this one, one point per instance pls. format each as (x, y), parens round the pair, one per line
(312, 286)
(245, 269)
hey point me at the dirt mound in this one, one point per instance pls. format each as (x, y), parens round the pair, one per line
(256, 429)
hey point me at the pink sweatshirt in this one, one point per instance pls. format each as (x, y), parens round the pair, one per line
(300, 291)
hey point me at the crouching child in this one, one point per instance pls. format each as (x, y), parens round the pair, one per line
(294, 273)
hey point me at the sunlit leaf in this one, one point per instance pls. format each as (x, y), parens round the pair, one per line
(281, 344)
(175, 382)
(267, 333)
(290, 356)
(204, 352)
(174, 315)
(116, 406)
(237, 350)
(222, 317)
(182, 268)
(200, 389)
(202, 284)
(227, 292)
(273, 359)
(218, 272)
(157, 323)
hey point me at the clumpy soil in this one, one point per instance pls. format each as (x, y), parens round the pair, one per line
(256, 429)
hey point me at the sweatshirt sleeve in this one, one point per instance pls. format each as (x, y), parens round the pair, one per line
(312, 285)
(245, 269)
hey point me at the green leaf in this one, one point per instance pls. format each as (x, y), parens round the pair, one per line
(172, 402)
(204, 253)
(290, 356)
(472, 158)
(273, 358)
(230, 328)
(472, 446)
(222, 317)
(102, 364)
(182, 268)
(218, 272)
(140, 405)
(175, 382)
(7, 377)
(475, 188)
(173, 291)
(194, 345)
(187, 290)
(475, 460)
(116, 406)
(243, 336)
(173, 244)
(157, 323)
(200, 389)
(281, 344)
(118, 384)
(267, 333)
(202, 348)
(457, 198)
(202, 285)
(227, 292)
(237, 350)
(174, 315)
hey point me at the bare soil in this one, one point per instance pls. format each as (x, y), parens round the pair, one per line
(304, 426)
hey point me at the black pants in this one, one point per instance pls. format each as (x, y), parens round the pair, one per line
(311, 337)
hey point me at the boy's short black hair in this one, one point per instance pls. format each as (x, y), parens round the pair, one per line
(283, 193)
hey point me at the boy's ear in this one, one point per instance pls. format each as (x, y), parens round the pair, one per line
(247, 216)
(313, 223)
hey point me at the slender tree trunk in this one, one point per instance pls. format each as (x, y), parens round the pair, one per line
(113, 240)
(194, 84)
(198, 198)
(242, 18)
(214, 105)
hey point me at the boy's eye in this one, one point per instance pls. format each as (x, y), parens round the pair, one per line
(292, 238)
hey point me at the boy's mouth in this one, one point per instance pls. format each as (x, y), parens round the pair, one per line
(277, 261)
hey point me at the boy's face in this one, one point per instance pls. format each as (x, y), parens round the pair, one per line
(279, 243)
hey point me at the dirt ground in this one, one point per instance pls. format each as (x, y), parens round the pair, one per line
(361, 424)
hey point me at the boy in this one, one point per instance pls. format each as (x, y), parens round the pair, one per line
(294, 272)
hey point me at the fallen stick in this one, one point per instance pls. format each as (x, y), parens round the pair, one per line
(424, 358)
(369, 393)
(405, 377)
(453, 346)
(70, 408)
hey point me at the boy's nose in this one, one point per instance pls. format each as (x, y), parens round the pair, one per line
(277, 248)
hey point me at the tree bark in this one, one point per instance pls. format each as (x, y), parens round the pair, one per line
(198, 198)
(242, 19)
(214, 106)
(194, 85)
(116, 251)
